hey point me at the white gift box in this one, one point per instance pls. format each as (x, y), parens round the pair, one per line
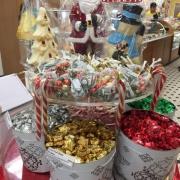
(135, 162)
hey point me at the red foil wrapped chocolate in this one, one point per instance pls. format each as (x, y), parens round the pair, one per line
(151, 130)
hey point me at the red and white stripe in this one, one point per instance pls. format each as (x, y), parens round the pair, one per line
(38, 105)
(45, 107)
(38, 112)
(159, 78)
(121, 106)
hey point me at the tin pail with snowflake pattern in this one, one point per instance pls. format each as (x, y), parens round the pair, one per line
(32, 152)
(135, 162)
(5, 136)
(62, 167)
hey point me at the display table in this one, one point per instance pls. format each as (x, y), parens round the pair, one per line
(13, 168)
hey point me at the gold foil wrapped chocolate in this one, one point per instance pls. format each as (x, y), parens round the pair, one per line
(87, 141)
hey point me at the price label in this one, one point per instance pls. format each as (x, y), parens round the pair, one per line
(64, 158)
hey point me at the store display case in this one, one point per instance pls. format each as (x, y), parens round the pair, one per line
(158, 41)
(176, 46)
(175, 25)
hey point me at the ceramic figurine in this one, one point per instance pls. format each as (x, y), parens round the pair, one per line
(129, 30)
(86, 17)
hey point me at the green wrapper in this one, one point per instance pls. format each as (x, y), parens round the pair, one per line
(163, 106)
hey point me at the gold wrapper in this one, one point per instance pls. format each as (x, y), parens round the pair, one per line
(85, 140)
(49, 144)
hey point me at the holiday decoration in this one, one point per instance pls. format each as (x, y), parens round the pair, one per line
(44, 47)
(86, 18)
(128, 35)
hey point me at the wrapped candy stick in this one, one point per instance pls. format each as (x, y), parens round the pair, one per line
(45, 106)
(38, 116)
(121, 106)
(38, 103)
(159, 77)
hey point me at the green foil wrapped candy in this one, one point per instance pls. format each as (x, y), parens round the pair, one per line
(163, 106)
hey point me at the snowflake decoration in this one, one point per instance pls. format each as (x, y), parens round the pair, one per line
(98, 171)
(122, 160)
(146, 157)
(74, 176)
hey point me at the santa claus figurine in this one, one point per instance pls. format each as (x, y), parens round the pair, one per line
(86, 18)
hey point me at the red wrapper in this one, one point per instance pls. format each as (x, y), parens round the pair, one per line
(151, 130)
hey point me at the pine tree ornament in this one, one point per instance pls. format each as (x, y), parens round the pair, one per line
(44, 48)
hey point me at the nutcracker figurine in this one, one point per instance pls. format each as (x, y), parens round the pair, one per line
(86, 18)
(129, 29)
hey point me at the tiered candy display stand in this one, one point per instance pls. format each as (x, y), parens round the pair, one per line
(79, 129)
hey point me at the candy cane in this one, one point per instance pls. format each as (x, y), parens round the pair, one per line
(158, 73)
(45, 107)
(38, 104)
(38, 116)
(121, 106)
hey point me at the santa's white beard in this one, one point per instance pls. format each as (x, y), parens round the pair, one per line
(88, 6)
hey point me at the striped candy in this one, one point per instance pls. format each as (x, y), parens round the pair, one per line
(38, 103)
(45, 106)
(38, 115)
(121, 106)
(159, 78)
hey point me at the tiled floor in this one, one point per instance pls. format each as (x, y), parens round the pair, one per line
(172, 88)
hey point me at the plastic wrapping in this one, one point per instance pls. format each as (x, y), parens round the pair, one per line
(68, 23)
(92, 80)
(33, 30)
(27, 20)
(26, 28)
(126, 35)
